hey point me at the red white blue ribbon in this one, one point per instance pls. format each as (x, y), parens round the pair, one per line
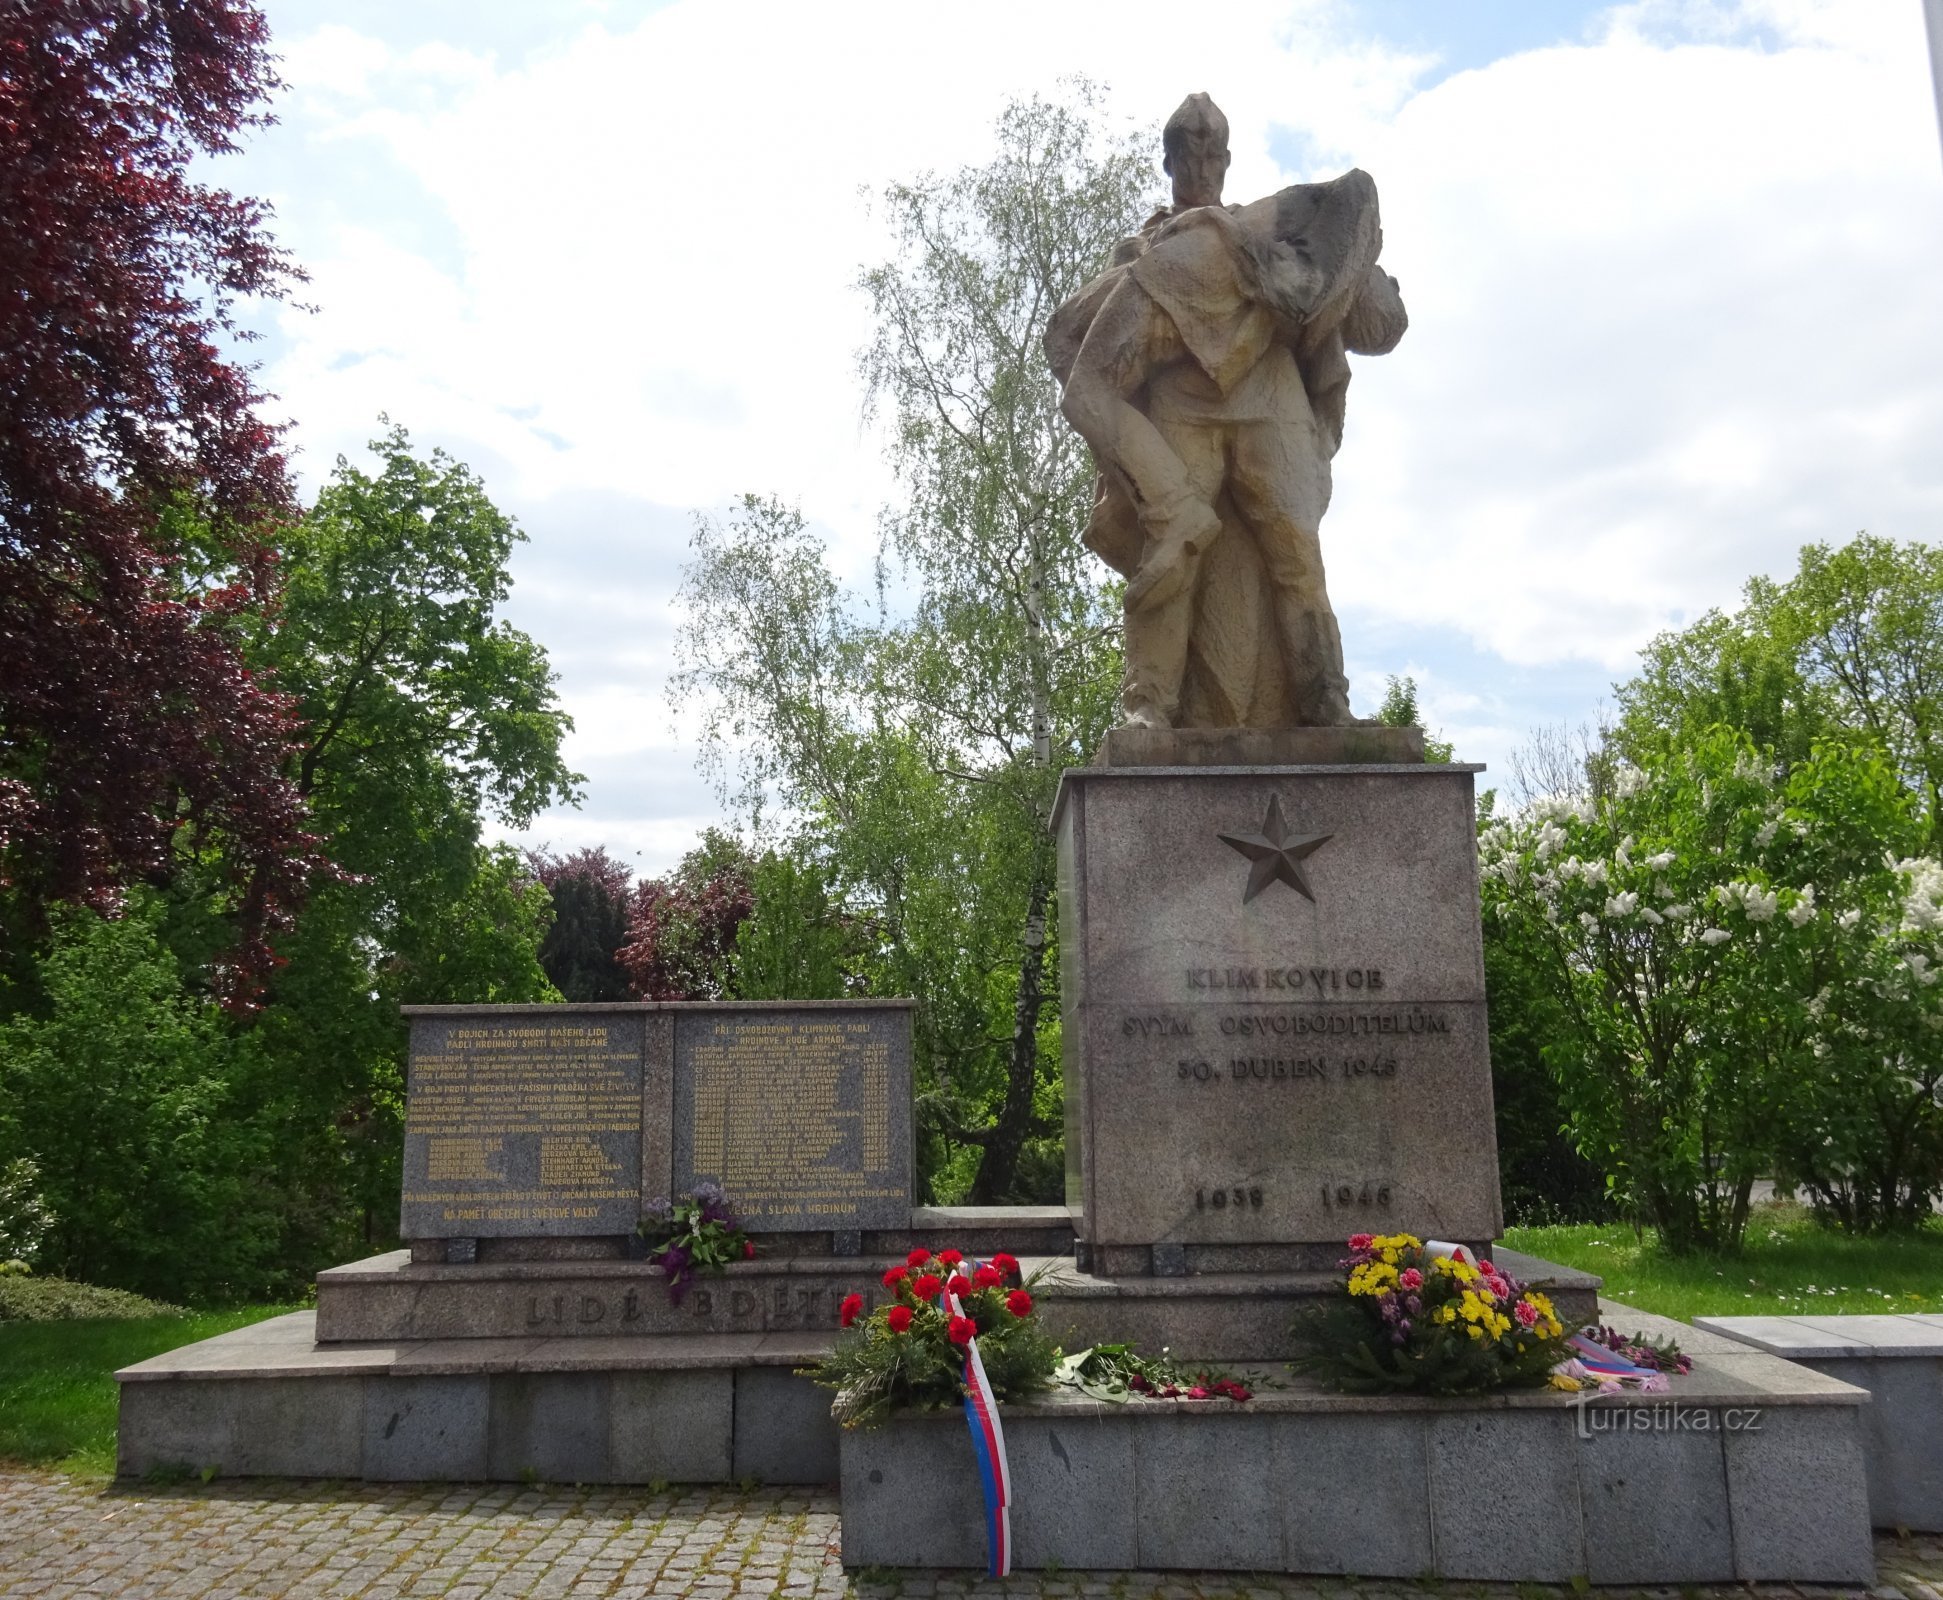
(988, 1448)
(1604, 1363)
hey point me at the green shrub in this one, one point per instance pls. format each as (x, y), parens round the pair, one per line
(31, 1299)
(135, 1099)
(1744, 978)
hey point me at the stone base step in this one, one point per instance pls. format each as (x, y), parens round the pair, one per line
(975, 1230)
(1898, 1358)
(269, 1401)
(1750, 1469)
(1208, 1316)
(1242, 1316)
(1746, 1471)
(391, 1297)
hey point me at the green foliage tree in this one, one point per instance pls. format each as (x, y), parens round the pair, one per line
(196, 1152)
(1399, 710)
(1727, 951)
(797, 942)
(921, 756)
(1864, 624)
(1853, 641)
(138, 1102)
(424, 711)
(1723, 671)
(1849, 648)
(423, 714)
(24, 1217)
(1542, 1177)
(1861, 1132)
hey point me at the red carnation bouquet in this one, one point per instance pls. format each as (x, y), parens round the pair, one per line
(910, 1350)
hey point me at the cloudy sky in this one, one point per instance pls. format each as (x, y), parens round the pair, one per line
(1672, 268)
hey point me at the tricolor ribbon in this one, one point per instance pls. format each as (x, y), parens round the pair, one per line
(988, 1448)
(1610, 1370)
(1601, 1362)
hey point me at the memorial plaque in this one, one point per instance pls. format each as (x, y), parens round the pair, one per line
(802, 1114)
(1274, 1006)
(523, 1121)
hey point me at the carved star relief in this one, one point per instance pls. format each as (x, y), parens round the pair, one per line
(1276, 853)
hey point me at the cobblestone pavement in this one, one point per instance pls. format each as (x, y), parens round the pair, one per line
(260, 1540)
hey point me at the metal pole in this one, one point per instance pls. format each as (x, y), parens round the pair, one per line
(1933, 10)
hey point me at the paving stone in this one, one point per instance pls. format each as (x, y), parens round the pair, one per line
(66, 1537)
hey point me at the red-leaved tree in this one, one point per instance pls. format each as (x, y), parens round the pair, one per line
(580, 952)
(139, 491)
(681, 929)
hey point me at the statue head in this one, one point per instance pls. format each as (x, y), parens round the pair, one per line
(1195, 146)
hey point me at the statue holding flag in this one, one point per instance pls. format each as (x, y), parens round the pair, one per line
(1207, 369)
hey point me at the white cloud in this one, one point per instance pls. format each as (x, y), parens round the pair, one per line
(1670, 290)
(1669, 321)
(334, 60)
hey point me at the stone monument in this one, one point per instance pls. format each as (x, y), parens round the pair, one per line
(1275, 1028)
(1273, 983)
(1275, 1037)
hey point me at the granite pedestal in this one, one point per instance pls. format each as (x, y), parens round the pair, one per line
(1273, 993)
(1749, 1472)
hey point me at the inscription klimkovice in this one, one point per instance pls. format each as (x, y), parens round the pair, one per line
(1323, 980)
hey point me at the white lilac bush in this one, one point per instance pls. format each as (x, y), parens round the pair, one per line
(24, 1217)
(1742, 971)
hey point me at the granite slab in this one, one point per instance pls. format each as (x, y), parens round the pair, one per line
(1273, 996)
(523, 1123)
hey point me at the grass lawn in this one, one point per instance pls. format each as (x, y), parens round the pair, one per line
(1789, 1267)
(57, 1387)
